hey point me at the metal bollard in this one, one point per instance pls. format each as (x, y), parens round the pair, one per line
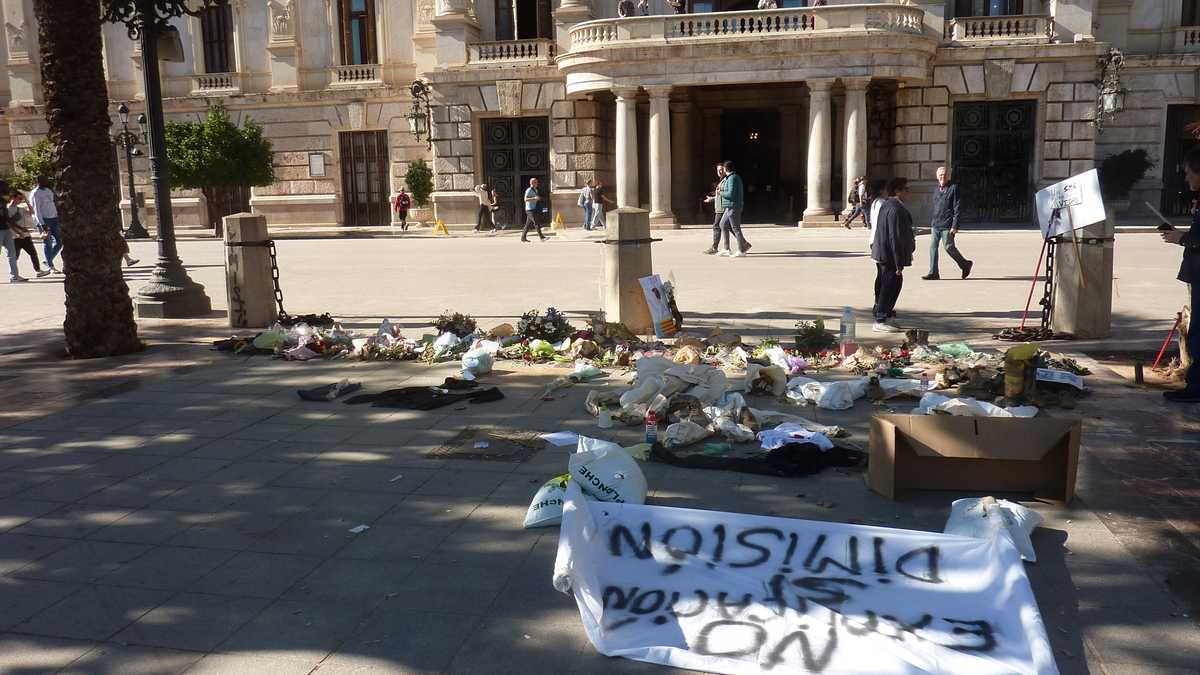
(627, 259)
(249, 281)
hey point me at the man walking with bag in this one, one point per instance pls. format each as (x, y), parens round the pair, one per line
(892, 250)
(944, 225)
(533, 209)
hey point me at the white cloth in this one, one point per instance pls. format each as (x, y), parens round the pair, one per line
(792, 433)
(734, 593)
(42, 202)
(876, 207)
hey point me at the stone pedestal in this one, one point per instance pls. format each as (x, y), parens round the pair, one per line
(248, 284)
(1083, 303)
(626, 259)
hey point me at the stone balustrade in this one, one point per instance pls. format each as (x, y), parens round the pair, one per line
(750, 25)
(357, 74)
(1187, 39)
(983, 30)
(538, 51)
(216, 83)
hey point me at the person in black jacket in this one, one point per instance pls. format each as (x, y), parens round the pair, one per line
(892, 249)
(1189, 273)
(944, 225)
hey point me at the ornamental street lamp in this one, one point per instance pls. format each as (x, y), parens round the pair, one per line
(420, 121)
(1110, 95)
(171, 293)
(129, 140)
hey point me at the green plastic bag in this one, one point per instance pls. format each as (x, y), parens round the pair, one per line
(958, 350)
(541, 348)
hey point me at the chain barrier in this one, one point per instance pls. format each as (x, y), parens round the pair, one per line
(284, 319)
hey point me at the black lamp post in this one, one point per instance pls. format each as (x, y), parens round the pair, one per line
(420, 118)
(129, 140)
(171, 293)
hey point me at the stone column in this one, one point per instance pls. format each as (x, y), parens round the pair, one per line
(856, 129)
(682, 160)
(819, 151)
(660, 153)
(627, 150)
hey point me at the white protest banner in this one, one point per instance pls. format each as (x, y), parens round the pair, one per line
(734, 593)
(1070, 204)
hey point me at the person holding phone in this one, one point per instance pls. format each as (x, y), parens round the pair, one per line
(1189, 273)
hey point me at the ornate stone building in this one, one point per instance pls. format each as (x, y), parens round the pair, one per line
(801, 98)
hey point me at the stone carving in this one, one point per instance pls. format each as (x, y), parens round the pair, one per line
(509, 94)
(424, 12)
(998, 77)
(16, 37)
(281, 19)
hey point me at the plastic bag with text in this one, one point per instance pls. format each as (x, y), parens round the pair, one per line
(547, 504)
(607, 472)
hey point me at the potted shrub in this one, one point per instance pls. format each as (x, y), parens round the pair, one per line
(1119, 173)
(419, 179)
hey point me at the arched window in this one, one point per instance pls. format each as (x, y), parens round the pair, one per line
(358, 31)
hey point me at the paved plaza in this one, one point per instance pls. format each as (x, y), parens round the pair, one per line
(182, 510)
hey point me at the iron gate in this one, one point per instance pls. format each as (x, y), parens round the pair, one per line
(515, 150)
(364, 161)
(993, 156)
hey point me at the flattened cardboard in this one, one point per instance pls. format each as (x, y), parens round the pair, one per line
(940, 452)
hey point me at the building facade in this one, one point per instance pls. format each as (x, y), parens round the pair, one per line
(802, 99)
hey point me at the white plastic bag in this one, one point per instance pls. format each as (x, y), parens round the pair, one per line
(444, 343)
(479, 359)
(606, 472)
(986, 517)
(684, 433)
(546, 507)
(969, 407)
(767, 379)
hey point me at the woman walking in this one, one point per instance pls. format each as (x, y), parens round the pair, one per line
(719, 233)
(23, 240)
(857, 201)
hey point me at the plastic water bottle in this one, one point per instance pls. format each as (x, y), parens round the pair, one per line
(848, 320)
(606, 421)
(651, 427)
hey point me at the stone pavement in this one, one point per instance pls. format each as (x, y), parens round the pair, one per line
(199, 522)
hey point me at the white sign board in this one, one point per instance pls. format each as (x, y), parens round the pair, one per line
(1071, 204)
(734, 593)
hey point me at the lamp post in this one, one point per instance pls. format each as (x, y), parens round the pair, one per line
(129, 140)
(420, 118)
(171, 293)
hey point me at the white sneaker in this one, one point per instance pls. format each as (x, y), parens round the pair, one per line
(724, 254)
(16, 279)
(43, 273)
(739, 254)
(885, 328)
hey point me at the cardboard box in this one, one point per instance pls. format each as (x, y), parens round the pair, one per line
(975, 454)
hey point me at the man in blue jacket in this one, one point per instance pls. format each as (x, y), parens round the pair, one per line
(944, 225)
(733, 199)
(1189, 273)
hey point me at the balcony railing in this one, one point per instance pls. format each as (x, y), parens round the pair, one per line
(358, 74)
(748, 25)
(539, 51)
(1024, 28)
(1187, 39)
(216, 83)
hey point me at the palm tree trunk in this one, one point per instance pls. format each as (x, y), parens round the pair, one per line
(99, 313)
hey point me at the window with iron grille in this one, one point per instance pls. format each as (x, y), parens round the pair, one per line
(216, 33)
(358, 32)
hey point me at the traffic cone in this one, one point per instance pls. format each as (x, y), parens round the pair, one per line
(441, 227)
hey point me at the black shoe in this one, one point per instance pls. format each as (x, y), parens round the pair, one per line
(524, 240)
(545, 238)
(966, 270)
(932, 277)
(1183, 396)
(710, 251)
(747, 248)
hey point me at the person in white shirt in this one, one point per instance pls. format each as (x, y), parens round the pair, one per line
(585, 201)
(45, 217)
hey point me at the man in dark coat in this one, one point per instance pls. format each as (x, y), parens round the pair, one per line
(892, 250)
(1189, 273)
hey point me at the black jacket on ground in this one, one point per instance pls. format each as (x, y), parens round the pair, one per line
(895, 242)
(945, 207)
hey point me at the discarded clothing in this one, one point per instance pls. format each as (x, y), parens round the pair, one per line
(793, 460)
(329, 391)
(792, 433)
(424, 398)
(968, 407)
